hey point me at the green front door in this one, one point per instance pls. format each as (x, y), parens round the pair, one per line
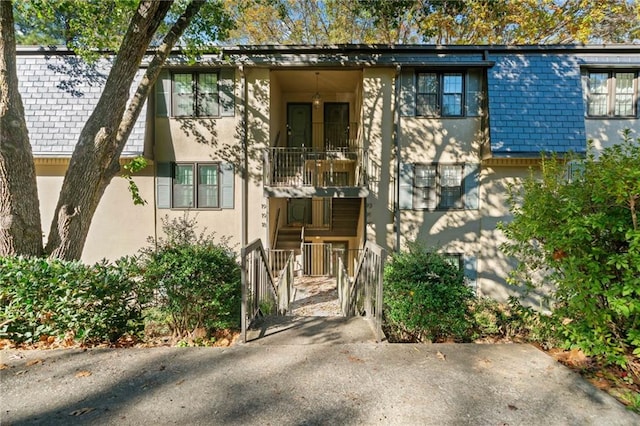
(299, 125)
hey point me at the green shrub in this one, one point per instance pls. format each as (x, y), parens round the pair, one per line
(50, 297)
(512, 321)
(425, 298)
(580, 238)
(195, 280)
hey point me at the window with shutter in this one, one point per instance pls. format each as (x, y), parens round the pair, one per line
(195, 185)
(439, 186)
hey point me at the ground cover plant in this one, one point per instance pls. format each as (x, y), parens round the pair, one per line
(43, 299)
(185, 286)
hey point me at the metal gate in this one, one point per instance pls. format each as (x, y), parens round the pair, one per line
(317, 259)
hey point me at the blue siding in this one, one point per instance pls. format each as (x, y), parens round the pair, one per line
(535, 105)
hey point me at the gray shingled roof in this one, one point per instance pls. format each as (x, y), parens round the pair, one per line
(59, 93)
(535, 104)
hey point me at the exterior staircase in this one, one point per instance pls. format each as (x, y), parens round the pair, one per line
(345, 214)
(289, 239)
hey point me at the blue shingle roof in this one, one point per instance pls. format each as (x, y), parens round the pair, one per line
(535, 105)
(59, 92)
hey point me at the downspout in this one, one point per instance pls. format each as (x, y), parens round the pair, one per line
(245, 153)
(396, 144)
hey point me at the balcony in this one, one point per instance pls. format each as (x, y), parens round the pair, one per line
(306, 172)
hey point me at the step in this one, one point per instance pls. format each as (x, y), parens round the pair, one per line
(297, 330)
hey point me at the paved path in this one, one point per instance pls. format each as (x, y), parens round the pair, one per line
(315, 296)
(312, 384)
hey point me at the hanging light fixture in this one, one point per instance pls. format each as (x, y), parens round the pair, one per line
(316, 99)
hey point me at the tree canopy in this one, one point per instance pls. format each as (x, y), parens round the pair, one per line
(127, 31)
(435, 21)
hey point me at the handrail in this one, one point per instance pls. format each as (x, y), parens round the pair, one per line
(274, 240)
(343, 284)
(285, 285)
(258, 288)
(364, 295)
(304, 166)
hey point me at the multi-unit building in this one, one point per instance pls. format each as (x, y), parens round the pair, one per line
(326, 147)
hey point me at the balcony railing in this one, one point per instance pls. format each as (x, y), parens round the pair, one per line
(295, 167)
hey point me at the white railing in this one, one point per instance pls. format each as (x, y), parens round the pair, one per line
(259, 293)
(362, 295)
(300, 166)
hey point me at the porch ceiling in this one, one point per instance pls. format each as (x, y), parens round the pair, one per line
(328, 80)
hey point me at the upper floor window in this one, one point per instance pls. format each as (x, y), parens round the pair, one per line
(612, 93)
(440, 94)
(195, 94)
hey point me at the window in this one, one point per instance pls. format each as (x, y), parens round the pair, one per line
(454, 259)
(195, 94)
(440, 94)
(438, 187)
(612, 93)
(196, 186)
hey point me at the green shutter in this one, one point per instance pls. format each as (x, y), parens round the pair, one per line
(227, 98)
(227, 179)
(163, 94)
(405, 196)
(471, 186)
(474, 93)
(407, 93)
(163, 185)
(470, 265)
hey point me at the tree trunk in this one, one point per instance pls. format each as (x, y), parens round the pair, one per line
(20, 226)
(95, 160)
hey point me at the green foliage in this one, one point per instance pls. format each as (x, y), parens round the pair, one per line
(512, 321)
(580, 238)
(92, 27)
(192, 278)
(135, 165)
(426, 298)
(435, 22)
(50, 297)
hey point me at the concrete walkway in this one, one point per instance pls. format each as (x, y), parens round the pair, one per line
(282, 383)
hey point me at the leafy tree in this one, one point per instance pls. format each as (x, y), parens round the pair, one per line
(87, 27)
(435, 21)
(506, 22)
(578, 237)
(299, 22)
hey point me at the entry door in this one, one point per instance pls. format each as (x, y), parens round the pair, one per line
(336, 125)
(299, 124)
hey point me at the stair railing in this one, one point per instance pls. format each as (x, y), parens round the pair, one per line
(274, 240)
(364, 295)
(343, 283)
(278, 260)
(285, 284)
(259, 291)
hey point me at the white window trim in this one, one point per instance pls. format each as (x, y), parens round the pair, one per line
(195, 193)
(438, 187)
(611, 93)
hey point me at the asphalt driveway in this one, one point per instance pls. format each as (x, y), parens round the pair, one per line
(301, 384)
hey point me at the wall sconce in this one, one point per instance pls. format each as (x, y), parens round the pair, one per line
(316, 99)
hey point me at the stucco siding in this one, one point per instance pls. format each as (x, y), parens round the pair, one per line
(118, 227)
